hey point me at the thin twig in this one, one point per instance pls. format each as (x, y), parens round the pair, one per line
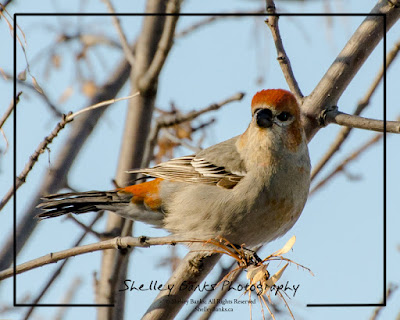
(181, 142)
(223, 272)
(5, 308)
(69, 295)
(282, 57)
(3, 6)
(60, 268)
(192, 270)
(362, 104)
(169, 121)
(20, 180)
(390, 290)
(115, 243)
(233, 276)
(164, 45)
(125, 46)
(42, 95)
(209, 20)
(180, 118)
(71, 116)
(138, 119)
(88, 229)
(348, 120)
(221, 293)
(350, 158)
(9, 109)
(55, 177)
(203, 125)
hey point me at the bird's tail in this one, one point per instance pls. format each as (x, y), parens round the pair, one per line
(80, 202)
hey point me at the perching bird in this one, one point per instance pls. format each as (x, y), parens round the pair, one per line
(250, 189)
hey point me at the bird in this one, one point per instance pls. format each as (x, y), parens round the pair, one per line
(250, 189)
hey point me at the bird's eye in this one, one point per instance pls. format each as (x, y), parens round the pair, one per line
(283, 116)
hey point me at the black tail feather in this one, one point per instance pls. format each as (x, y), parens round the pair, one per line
(55, 205)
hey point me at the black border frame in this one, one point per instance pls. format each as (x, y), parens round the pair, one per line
(15, 304)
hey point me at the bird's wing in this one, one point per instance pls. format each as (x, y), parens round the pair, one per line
(218, 165)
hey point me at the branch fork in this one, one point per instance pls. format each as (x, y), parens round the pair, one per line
(322, 118)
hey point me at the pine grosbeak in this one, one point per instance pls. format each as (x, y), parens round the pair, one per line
(250, 189)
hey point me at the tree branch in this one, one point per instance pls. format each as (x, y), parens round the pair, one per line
(124, 43)
(362, 104)
(9, 109)
(42, 94)
(283, 59)
(164, 45)
(376, 138)
(389, 292)
(71, 116)
(115, 243)
(49, 139)
(55, 177)
(57, 272)
(169, 121)
(347, 64)
(192, 269)
(348, 120)
(211, 19)
(20, 180)
(179, 141)
(69, 295)
(3, 6)
(137, 125)
(87, 229)
(221, 293)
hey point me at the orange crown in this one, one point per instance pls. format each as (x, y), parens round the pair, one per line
(278, 98)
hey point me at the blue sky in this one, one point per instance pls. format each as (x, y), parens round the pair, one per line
(339, 235)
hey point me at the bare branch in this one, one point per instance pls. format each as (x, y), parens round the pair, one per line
(20, 180)
(71, 116)
(223, 272)
(193, 269)
(49, 139)
(348, 120)
(9, 110)
(179, 141)
(234, 275)
(169, 121)
(389, 292)
(115, 243)
(180, 118)
(137, 126)
(221, 293)
(362, 104)
(376, 138)
(164, 45)
(42, 95)
(347, 64)
(283, 59)
(58, 271)
(211, 19)
(4, 5)
(69, 295)
(55, 178)
(125, 46)
(88, 229)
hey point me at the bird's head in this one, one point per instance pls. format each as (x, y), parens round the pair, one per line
(276, 115)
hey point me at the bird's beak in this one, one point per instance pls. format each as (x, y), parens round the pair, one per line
(264, 118)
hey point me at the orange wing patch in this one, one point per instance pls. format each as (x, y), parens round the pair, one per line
(147, 193)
